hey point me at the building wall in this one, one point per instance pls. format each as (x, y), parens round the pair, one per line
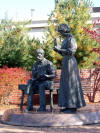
(38, 27)
(87, 85)
(38, 33)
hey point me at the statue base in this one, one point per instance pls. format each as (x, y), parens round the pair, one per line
(87, 115)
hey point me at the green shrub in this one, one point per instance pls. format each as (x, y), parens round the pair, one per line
(16, 48)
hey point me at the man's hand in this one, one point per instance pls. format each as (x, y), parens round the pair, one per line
(49, 77)
(45, 75)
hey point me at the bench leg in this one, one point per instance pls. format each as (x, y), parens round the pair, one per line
(22, 99)
(57, 92)
(51, 100)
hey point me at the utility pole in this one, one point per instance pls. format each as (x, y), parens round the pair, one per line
(32, 12)
(56, 1)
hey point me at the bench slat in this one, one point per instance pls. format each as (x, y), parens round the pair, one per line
(22, 86)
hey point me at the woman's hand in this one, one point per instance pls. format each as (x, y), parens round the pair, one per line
(55, 42)
(55, 45)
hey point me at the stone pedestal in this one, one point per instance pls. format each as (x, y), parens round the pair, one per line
(87, 115)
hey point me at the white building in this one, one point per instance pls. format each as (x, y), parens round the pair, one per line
(95, 15)
(38, 27)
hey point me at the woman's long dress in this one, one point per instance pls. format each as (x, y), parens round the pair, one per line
(70, 91)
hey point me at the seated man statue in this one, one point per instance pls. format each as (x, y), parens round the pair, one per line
(43, 73)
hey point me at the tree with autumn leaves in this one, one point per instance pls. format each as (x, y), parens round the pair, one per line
(75, 13)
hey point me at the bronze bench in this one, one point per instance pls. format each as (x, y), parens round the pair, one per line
(24, 88)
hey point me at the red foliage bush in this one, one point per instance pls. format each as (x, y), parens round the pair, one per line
(9, 80)
(95, 33)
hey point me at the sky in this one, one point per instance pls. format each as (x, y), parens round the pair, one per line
(23, 9)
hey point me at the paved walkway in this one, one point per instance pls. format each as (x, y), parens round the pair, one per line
(72, 129)
(4, 128)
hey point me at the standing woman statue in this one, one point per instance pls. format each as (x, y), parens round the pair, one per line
(70, 91)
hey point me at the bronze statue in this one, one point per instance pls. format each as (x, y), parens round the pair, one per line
(43, 73)
(70, 91)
